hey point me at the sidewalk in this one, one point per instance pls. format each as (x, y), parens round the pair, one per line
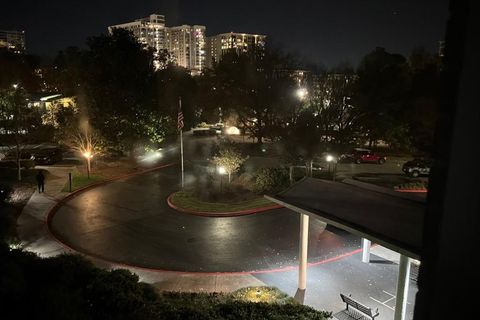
(31, 226)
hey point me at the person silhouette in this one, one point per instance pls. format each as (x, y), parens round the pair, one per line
(40, 181)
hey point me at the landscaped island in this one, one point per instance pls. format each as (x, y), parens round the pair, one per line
(188, 201)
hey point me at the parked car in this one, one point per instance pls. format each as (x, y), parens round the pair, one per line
(47, 156)
(9, 160)
(417, 167)
(360, 155)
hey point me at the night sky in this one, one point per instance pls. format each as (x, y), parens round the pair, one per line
(322, 32)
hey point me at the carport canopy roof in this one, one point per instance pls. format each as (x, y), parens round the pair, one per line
(390, 219)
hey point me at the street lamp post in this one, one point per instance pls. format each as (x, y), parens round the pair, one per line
(222, 171)
(88, 155)
(332, 159)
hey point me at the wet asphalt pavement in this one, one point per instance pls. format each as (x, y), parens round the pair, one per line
(129, 222)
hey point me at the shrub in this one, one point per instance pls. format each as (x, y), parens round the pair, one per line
(271, 180)
(70, 287)
(262, 294)
(418, 185)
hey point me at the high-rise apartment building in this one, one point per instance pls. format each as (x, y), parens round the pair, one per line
(12, 40)
(186, 46)
(149, 31)
(220, 44)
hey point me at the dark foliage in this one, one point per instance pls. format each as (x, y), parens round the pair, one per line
(70, 287)
(271, 180)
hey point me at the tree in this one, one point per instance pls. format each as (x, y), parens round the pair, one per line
(172, 83)
(334, 114)
(62, 117)
(18, 68)
(230, 160)
(381, 95)
(65, 75)
(256, 89)
(118, 85)
(19, 123)
(422, 114)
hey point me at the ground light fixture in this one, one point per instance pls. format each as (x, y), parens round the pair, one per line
(233, 131)
(151, 157)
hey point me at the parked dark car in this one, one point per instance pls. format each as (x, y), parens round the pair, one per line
(360, 155)
(9, 160)
(47, 156)
(417, 167)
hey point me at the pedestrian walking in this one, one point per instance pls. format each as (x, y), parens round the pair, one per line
(40, 181)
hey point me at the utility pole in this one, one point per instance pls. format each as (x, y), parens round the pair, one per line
(180, 127)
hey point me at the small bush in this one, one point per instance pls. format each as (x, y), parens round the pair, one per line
(246, 180)
(418, 185)
(262, 294)
(271, 180)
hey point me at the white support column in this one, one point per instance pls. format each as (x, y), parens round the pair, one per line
(303, 252)
(402, 288)
(366, 250)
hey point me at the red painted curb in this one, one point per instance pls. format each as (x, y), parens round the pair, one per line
(412, 190)
(221, 214)
(158, 270)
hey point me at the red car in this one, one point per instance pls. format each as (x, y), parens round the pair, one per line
(360, 155)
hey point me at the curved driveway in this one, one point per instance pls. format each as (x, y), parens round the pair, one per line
(129, 222)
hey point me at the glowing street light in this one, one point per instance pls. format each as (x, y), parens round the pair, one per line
(330, 159)
(88, 155)
(222, 171)
(302, 93)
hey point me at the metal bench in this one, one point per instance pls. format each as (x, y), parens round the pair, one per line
(355, 310)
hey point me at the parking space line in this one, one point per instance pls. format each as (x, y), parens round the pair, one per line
(384, 303)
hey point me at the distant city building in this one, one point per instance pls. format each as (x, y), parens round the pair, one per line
(149, 31)
(220, 44)
(186, 46)
(13, 40)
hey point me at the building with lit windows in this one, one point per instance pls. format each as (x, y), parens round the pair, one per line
(219, 45)
(149, 31)
(186, 46)
(12, 40)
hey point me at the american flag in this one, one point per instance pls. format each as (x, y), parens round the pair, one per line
(180, 118)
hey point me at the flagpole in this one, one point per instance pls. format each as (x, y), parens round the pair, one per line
(181, 144)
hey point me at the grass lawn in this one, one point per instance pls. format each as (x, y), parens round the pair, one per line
(81, 180)
(391, 181)
(187, 200)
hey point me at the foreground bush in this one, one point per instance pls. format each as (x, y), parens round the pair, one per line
(70, 287)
